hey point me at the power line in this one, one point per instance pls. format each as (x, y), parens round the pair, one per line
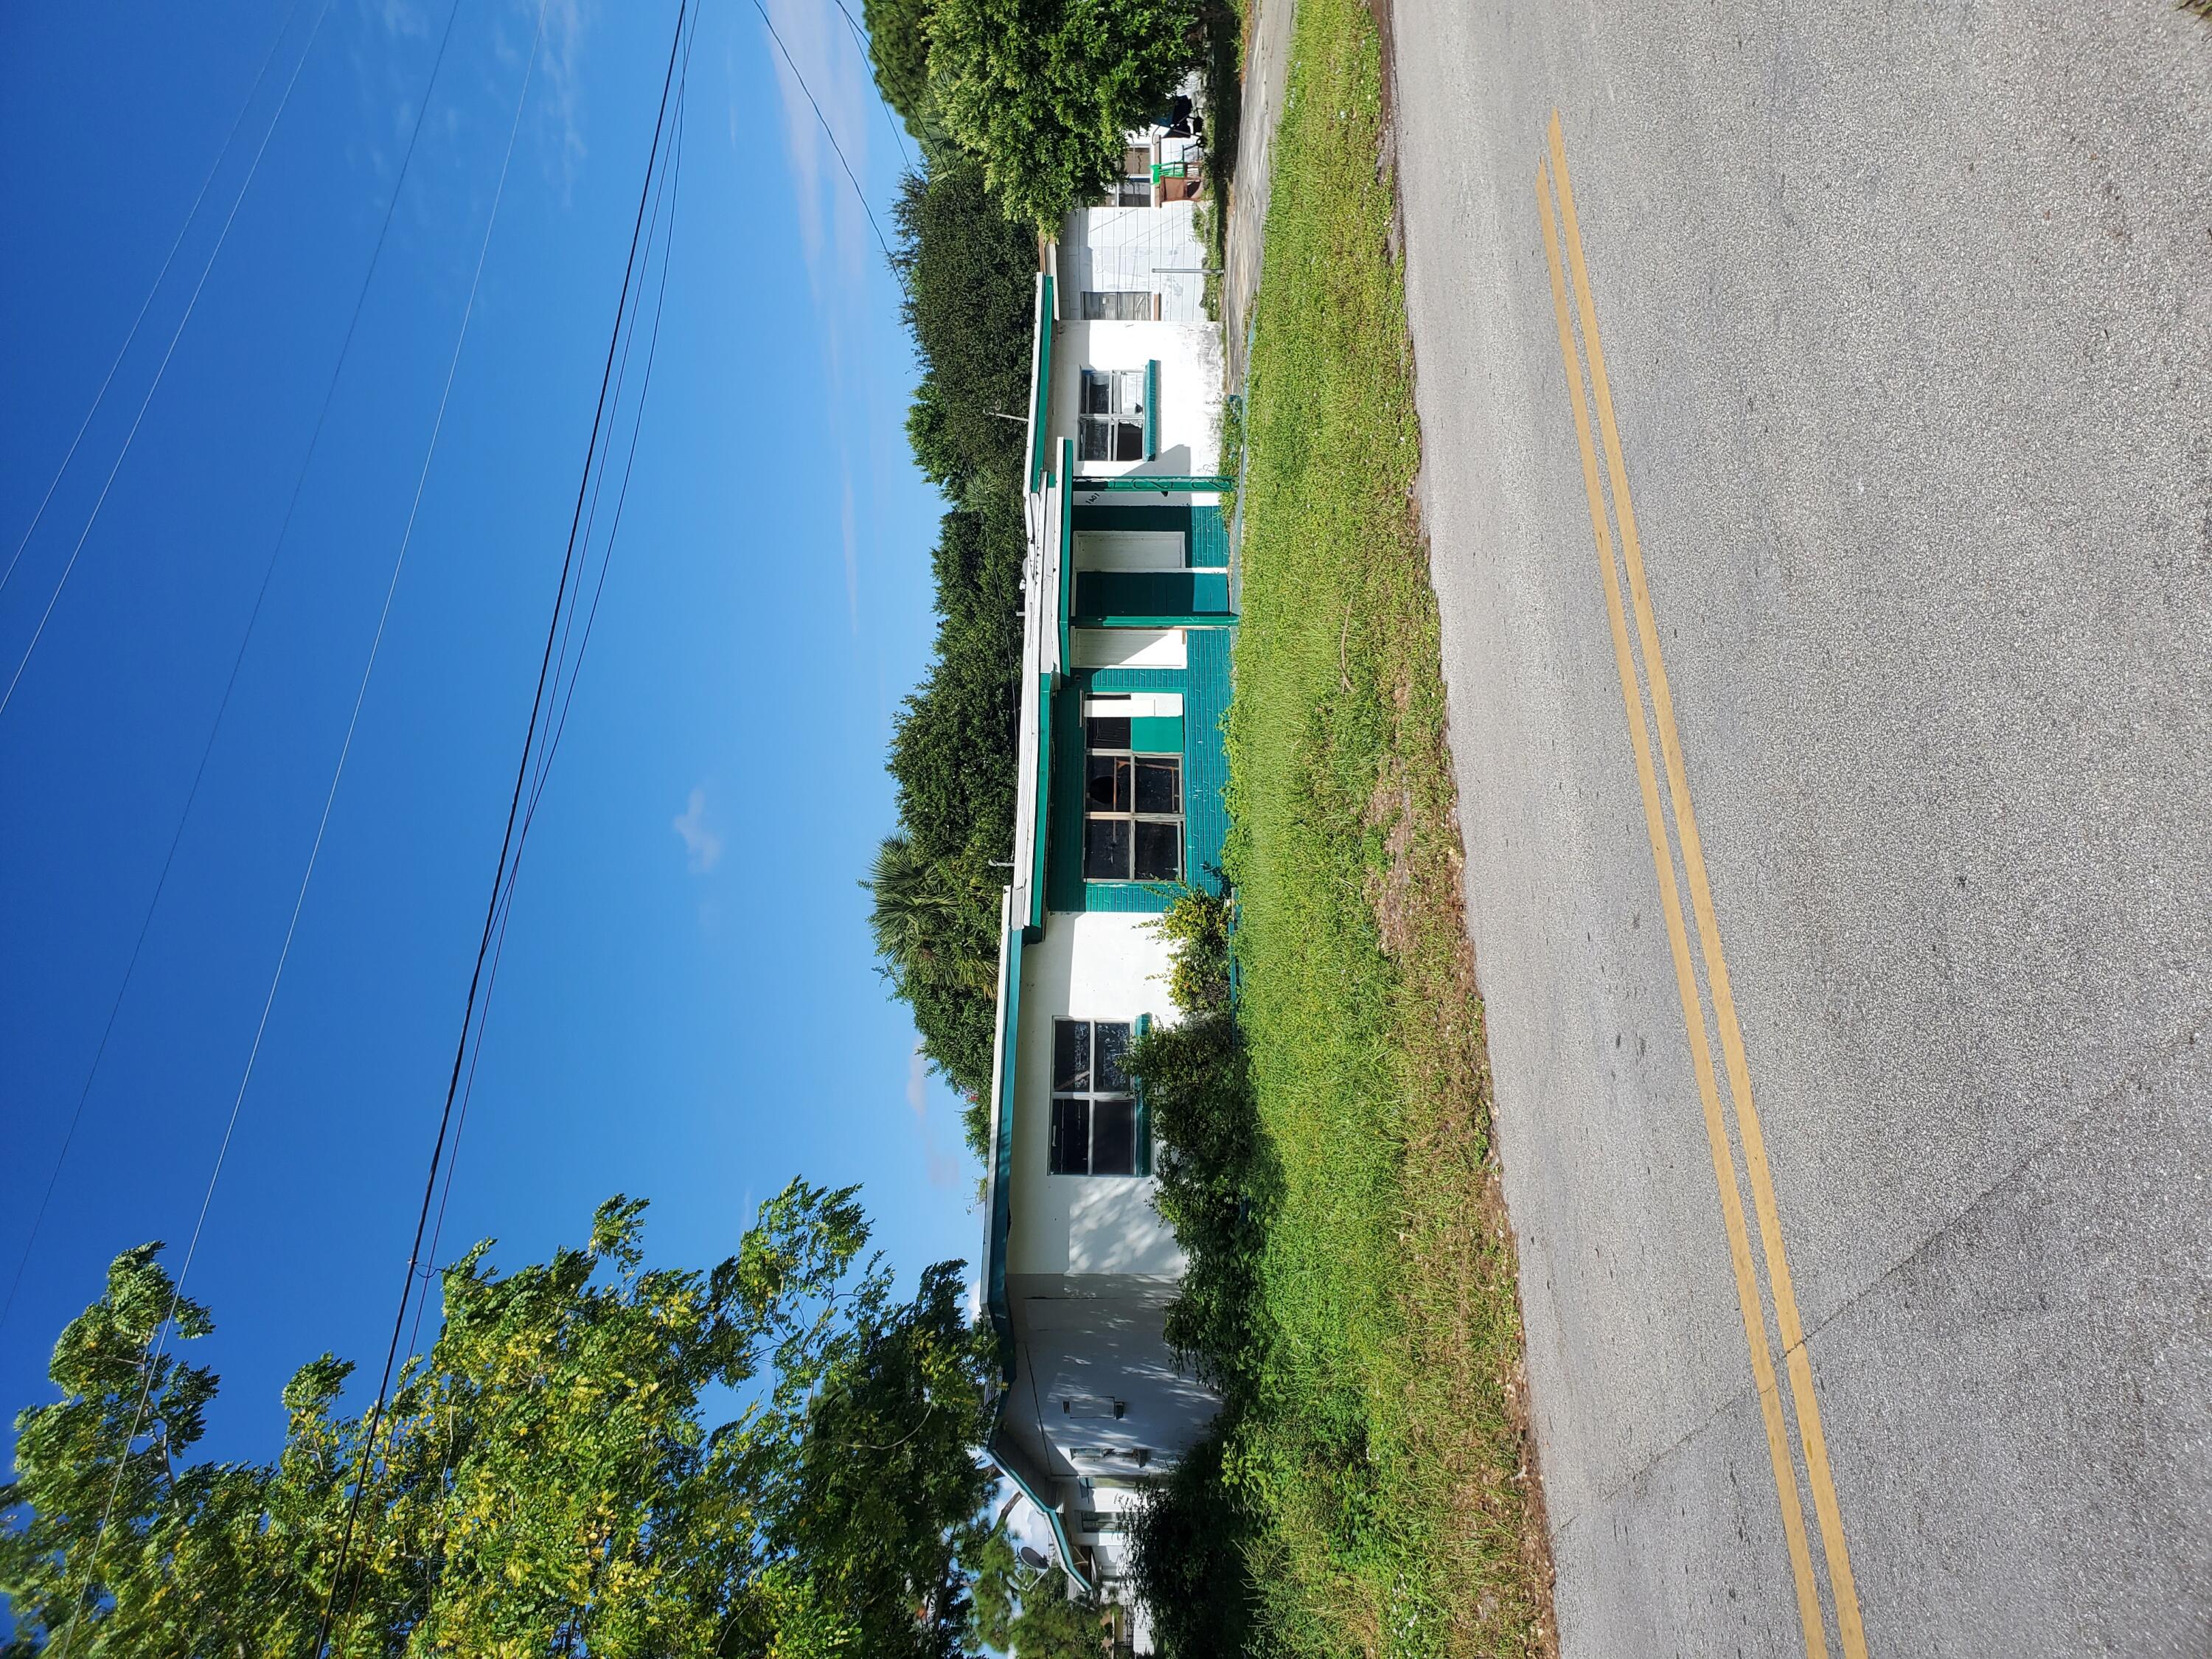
(509, 849)
(123, 350)
(314, 853)
(146, 402)
(675, 175)
(829, 133)
(223, 709)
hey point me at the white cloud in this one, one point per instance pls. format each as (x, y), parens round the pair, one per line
(942, 1171)
(917, 1085)
(559, 96)
(703, 847)
(833, 229)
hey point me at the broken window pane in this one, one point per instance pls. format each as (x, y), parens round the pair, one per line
(1106, 844)
(1113, 1042)
(1159, 786)
(1109, 732)
(1071, 1053)
(1109, 788)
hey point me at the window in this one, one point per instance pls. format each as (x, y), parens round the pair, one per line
(1132, 807)
(1117, 306)
(1094, 1104)
(1136, 185)
(1113, 414)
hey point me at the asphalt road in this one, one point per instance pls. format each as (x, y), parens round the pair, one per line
(1906, 322)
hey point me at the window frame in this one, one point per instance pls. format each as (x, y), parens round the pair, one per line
(1104, 305)
(1108, 420)
(1134, 816)
(1092, 1092)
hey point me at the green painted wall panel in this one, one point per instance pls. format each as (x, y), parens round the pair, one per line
(1209, 539)
(1151, 592)
(1063, 885)
(1205, 753)
(1157, 734)
(1116, 516)
(1204, 685)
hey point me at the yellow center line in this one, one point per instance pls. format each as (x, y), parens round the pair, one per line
(1799, 1363)
(1747, 1286)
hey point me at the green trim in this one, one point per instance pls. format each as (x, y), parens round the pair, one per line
(1067, 547)
(1151, 408)
(1002, 1156)
(1051, 1511)
(1041, 375)
(1157, 483)
(1035, 920)
(1209, 619)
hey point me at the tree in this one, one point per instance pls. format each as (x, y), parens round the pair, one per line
(1042, 91)
(937, 880)
(883, 1496)
(546, 1484)
(1032, 1612)
(970, 280)
(898, 50)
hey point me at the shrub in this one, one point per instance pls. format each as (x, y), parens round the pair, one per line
(1196, 928)
(1190, 1541)
(1216, 1186)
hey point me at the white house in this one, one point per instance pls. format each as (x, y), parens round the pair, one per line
(1125, 666)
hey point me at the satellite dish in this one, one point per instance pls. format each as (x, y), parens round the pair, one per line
(1034, 1557)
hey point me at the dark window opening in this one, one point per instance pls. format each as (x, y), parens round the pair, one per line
(1113, 414)
(1132, 807)
(1094, 1107)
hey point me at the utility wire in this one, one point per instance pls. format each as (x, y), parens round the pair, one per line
(314, 853)
(866, 42)
(591, 618)
(146, 402)
(508, 847)
(831, 134)
(223, 709)
(123, 350)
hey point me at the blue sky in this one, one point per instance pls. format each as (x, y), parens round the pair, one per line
(689, 1010)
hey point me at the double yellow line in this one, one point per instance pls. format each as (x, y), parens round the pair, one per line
(1795, 1363)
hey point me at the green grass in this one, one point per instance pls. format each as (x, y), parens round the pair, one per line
(1221, 74)
(1383, 1452)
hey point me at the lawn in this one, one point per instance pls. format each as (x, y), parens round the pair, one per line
(1384, 1455)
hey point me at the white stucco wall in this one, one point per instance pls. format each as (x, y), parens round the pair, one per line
(1146, 250)
(1190, 360)
(1087, 966)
